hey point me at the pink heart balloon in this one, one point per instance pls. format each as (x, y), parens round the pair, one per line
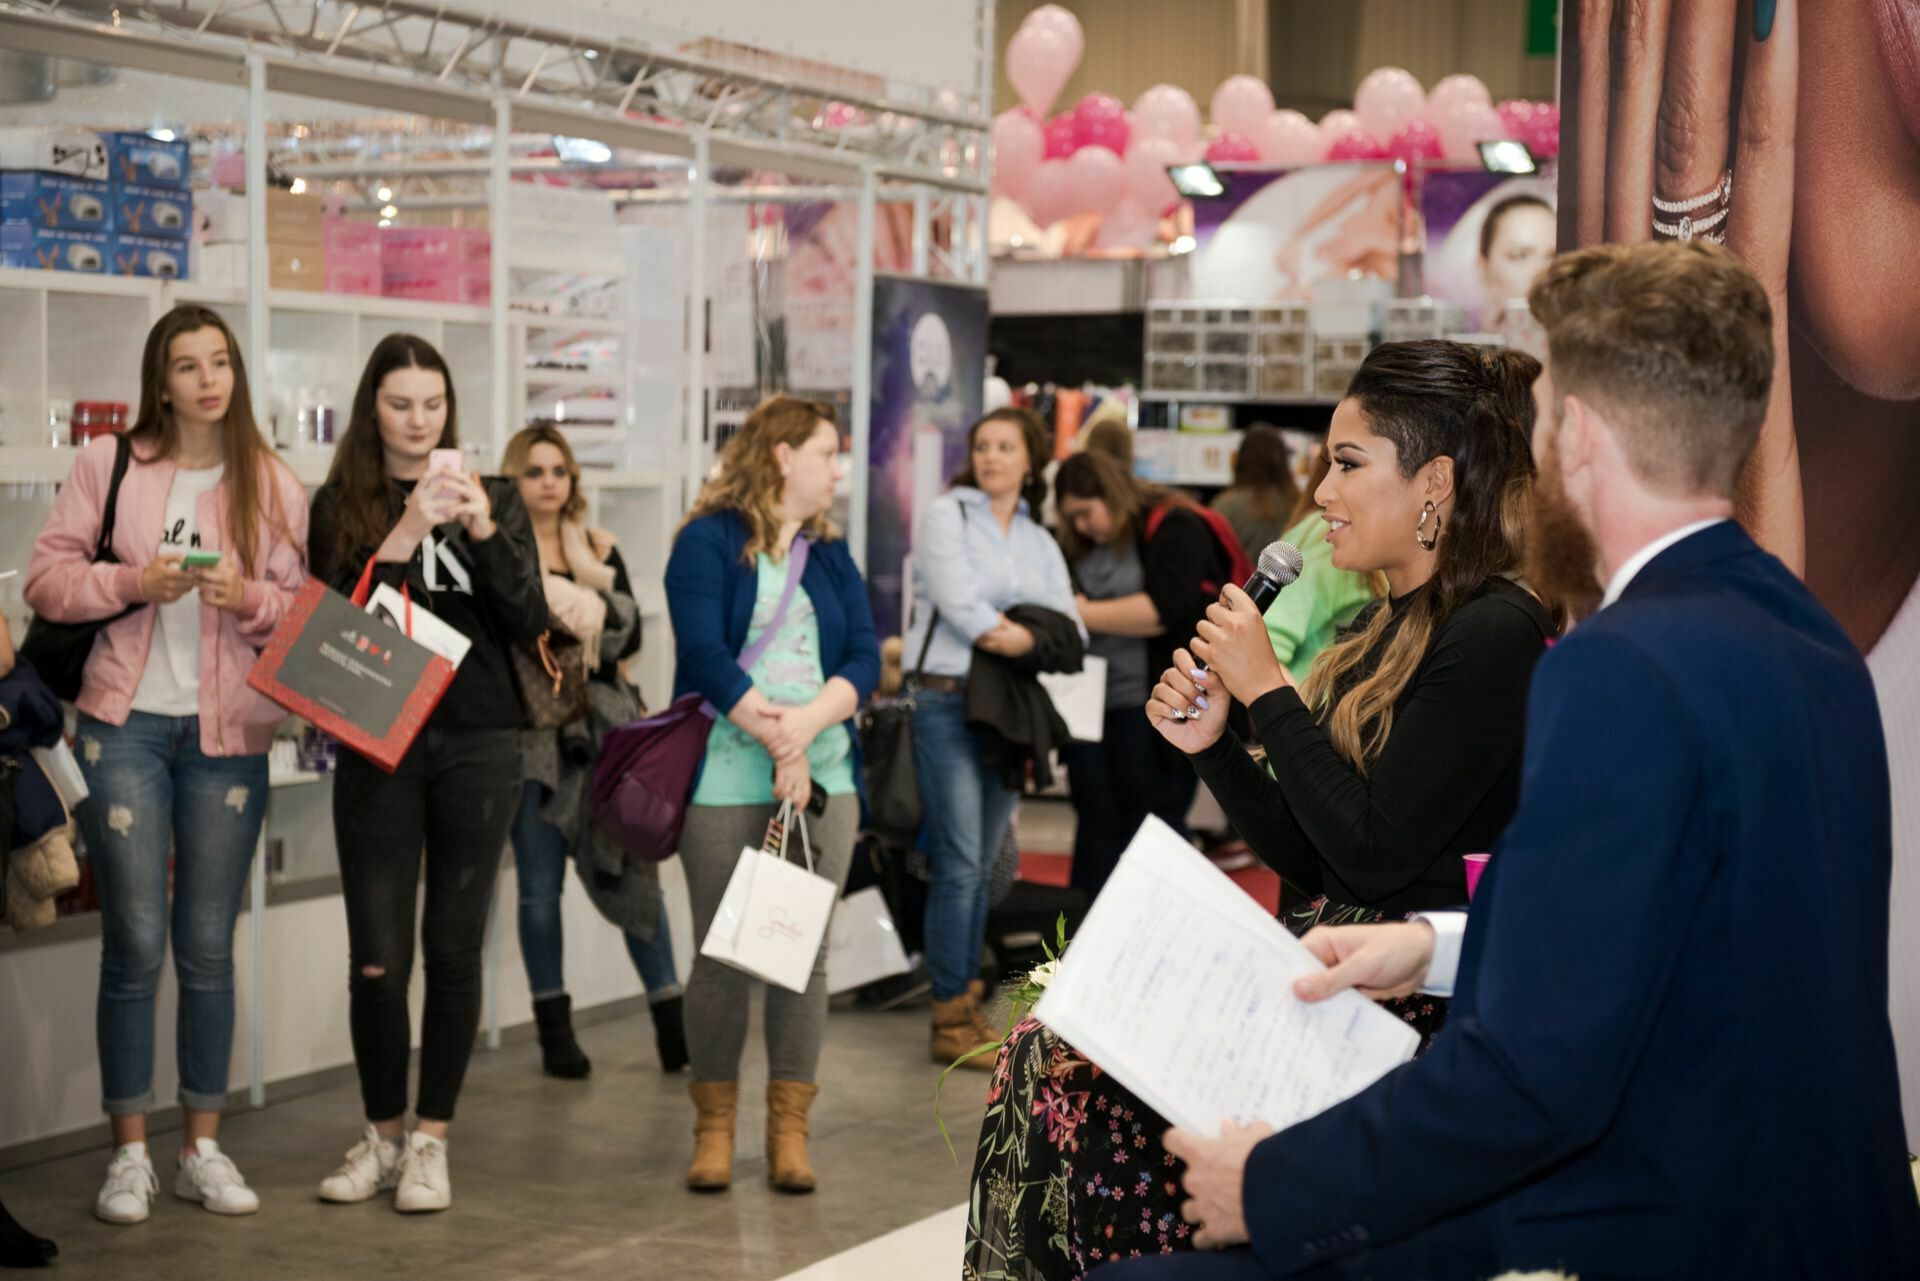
(1289, 138)
(1232, 148)
(1059, 135)
(1387, 99)
(1355, 146)
(1018, 147)
(1241, 105)
(1099, 180)
(1167, 111)
(1100, 120)
(1040, 61)
(1147, 183)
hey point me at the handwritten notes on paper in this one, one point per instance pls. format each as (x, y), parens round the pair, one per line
(1181, 986)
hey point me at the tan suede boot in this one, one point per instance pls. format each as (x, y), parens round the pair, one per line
(715, 1104)
(955, 1033)
(787, 1165)
(983, 1026)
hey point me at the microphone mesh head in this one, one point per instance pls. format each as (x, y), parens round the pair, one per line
(1281, 562)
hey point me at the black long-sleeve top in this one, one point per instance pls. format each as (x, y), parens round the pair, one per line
(501, 602)
(1446, 783)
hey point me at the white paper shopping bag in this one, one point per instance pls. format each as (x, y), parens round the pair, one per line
(864, 945)
(773, 915)
(1080, 698)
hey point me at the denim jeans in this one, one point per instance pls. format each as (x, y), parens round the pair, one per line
(1114, 784)
(452, 799)
(965, 809)
(154, 795)
(540, 859)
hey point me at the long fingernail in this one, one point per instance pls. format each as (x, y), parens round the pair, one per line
(1197, 674)
(1193, 713)
(1205, 706)
(1763, 15)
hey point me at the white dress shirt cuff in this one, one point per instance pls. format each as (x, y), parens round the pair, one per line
(1449, 931)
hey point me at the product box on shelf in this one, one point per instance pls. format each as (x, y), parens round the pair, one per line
(74, 153)
(1410, 319)
(1336, 358)
(44, 250)
(410, 248)
(1354, 304)
(353, 273)
(351, 238)
(296, 267)
(149, 256)
(220, 216)
(164, 212)
(55, 202)
(443, 282)
(144, 160)
(293, 220)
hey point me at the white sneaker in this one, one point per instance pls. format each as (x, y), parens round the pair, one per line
(127, 1195)
(372, 1167)
(424, 1184)
(209, 1177)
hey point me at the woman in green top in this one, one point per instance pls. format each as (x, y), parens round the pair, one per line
(1306, 617)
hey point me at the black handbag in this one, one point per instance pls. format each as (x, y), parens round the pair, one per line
(552, 676)
(59, 651)
(886, 746)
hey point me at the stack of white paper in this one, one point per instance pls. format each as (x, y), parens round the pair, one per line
(1181, 986)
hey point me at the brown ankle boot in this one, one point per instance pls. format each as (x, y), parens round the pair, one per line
(983, 1026)
(955, 1034)
(715, 1105)
(787, 1165)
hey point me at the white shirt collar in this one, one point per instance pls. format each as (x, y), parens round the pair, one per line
(1640, 559)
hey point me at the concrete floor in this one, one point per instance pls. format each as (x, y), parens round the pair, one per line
(554, 1178)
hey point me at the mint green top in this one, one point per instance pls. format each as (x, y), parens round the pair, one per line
(738, 770)
(1308, 614)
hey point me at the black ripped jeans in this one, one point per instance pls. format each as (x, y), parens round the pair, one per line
(453, 798)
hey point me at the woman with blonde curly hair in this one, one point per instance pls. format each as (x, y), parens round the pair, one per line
(772, 626)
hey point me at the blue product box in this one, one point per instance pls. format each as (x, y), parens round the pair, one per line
(22, 245)
(148, 162)
(149, 256)
(55, 202)
(165, 212)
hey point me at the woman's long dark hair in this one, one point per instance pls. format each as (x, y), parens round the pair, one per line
(1433, 399)
(1263, 468)
(243, 450)
(1034, 432)
(367, 508)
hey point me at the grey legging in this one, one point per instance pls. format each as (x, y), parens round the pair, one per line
(716, 1000)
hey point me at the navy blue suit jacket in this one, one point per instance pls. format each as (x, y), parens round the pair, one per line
(1668, 1054)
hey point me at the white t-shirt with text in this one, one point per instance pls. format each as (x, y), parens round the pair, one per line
(170, 682)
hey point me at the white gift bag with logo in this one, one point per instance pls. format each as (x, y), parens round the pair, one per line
(774, 914)
(865, 944)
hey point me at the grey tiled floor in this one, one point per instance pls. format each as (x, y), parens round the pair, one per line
(554, 1178)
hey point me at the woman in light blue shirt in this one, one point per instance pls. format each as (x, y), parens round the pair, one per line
(977, 553)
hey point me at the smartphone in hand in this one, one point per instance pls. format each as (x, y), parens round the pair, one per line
(200, 558)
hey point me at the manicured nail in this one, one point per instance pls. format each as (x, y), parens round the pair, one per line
(1763, 14)
(1205, 706)
(1193, 713)
(1198, 675)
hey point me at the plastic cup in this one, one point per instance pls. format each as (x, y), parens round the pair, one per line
(1476, 864)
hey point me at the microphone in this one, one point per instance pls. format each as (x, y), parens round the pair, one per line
(1279, 565)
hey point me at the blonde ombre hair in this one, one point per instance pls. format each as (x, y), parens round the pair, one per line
(748, 479)
(581, 548)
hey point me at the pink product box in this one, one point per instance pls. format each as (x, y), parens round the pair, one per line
(354, 274)
(446, 282)
(347, 238)
(423, 245)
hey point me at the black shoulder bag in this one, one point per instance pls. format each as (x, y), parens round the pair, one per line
(59, 651)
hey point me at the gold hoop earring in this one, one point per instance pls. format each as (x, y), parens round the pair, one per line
(1429, 542)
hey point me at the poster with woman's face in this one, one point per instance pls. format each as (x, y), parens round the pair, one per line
(1790, 131)
(1488, 237)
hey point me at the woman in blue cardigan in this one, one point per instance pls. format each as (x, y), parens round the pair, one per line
(785, 732)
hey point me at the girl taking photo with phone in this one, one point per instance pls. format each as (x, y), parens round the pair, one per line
(399, 509)
(204, 555)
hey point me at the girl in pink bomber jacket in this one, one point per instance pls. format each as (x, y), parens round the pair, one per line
(172, 741)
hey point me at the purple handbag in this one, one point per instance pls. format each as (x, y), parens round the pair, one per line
(644, 777)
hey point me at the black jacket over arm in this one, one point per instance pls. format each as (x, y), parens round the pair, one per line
(1004, 696)
(1445, 785)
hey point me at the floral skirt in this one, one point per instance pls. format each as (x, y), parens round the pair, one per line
(1070, 1172)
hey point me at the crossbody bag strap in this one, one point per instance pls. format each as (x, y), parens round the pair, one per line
(122, 455)
(796, 566)
(933, 623)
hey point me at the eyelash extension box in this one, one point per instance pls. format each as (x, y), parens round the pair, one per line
(54, 202)
(22, 245)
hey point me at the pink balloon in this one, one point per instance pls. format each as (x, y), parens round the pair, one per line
(1387, 99)
(1101, 121)
(1040, 61)
(1050, 193)
(1059, 135)
(1018, 146)
(1467, 125)
(1241, 105)
(1099, 180)
(1127, 227)
(1232, 148)
(1542, 134)
(1054, 18)
(1339, 121)
(1147, 183)
(1289, 138)
(1516, 114)
(840, 115)
(1455, 91)
(1416, 140)
(1166, 111)
(1355, 146)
